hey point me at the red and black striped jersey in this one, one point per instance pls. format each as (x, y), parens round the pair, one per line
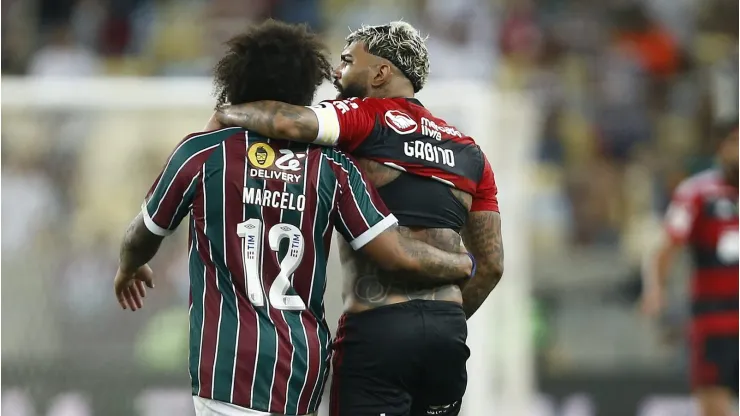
(402, 134)
(704, 215)
(261, 218)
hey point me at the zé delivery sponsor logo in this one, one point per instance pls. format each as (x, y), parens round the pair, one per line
(264, 163)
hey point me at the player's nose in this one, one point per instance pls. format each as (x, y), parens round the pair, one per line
(337, 74)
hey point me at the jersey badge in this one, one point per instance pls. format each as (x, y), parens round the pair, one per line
(400, 122)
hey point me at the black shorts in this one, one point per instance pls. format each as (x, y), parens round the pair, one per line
(715, 362)
(406, 359)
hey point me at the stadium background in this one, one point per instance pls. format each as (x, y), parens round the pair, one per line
(591, 112)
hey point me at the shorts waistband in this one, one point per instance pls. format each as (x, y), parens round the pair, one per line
(412, 305)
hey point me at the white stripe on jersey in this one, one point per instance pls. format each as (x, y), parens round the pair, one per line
(205, 289)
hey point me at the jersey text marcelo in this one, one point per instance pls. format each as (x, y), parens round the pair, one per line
(274, 199)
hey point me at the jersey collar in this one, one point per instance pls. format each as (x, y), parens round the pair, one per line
(415, 101)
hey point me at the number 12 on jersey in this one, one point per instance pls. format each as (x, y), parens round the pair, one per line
(251, 233)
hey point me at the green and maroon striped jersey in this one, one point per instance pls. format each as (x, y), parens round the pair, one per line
(261, 218)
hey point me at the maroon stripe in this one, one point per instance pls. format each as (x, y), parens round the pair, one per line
(337, 362)
(190, 290)
(246, 348)
(304, 279)
(270, 270)
(173, 196)
(314, 360)
(212, 310)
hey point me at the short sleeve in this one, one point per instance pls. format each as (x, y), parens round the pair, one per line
(681, 215)
(485, 197)
(171, 195)
(344, 123)
(362, 213)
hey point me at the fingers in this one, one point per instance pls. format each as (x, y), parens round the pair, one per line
(121, 298)
(129, 297)
(140, 289)
(133, 298)
(146, 275)
(131, 289)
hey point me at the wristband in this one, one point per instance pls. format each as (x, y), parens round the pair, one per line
(472, 259)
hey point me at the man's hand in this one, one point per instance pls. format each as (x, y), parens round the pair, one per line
(130, 287)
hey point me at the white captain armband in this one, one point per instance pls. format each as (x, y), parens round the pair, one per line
(328, 124)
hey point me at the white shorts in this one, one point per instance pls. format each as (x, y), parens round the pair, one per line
(208, 407)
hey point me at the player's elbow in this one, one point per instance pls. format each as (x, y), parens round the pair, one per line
(498, 271)
(491, 272)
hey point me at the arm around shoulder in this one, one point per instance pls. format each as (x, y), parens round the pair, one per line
(394, 252)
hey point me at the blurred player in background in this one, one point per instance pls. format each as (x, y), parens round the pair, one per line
(400, 347)
(261, 215)
(704, 216)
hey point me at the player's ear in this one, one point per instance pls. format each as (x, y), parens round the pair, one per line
(382, 75)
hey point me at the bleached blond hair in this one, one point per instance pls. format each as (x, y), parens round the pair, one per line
(401, 44)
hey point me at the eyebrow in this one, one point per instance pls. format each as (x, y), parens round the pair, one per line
(346, 57)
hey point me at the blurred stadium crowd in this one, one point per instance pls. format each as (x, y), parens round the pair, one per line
(628, 91)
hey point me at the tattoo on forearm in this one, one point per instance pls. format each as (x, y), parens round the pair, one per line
(372, 286)
(139, 245)
(436, 265)
(270, 119)
(482, 237)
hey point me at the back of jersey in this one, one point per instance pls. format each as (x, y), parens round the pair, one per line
(403, 135)
(261, 219)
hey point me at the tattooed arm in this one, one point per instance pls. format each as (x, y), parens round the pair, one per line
(393, 251)
(139, 246)
(272, 119)
(482, 237)
(342, 123)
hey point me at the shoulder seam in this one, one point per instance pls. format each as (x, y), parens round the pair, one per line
(207, 133)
